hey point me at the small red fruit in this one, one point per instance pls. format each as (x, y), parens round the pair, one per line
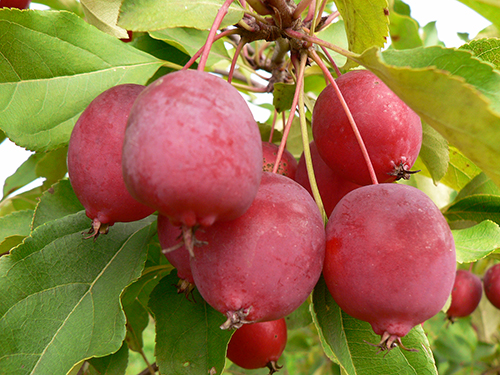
(391, 131)
(192, 149)
(465, 296)
(332, 187)
(94, 159)
(288, 164)
(264, 264)
(390, 258)
(169, 237)
(19, 4)
(491, 282)
(258, 345)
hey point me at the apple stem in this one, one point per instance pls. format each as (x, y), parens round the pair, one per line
(275, 115)
(288, 124)
(200, 51)
(300, 8)
(239, 47)
(211, 35)
(317, 17)
(354, 127)
(305, 144)
(334, 65)
(329, 20)
(310, 12)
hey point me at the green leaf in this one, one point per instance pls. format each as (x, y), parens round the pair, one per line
(135, 304)
(476, 242)
(104, 16)
(113, 364)
(434, 152)
(474, 209)
(366, 23)
(24, 201)
(150, 15)
(424, 78)
(346, 339)
(60, 294)
(404, 31)
(283, 96)
(461, 170)
(431, 37)
(53, 65)
(485, 49)
(487, 8)
(50, 165)
(335, 33)
(456, 342)
(189, 41)
(56, 203)
(480, 184)
(301, 317)
(13, 228)
(188, 337)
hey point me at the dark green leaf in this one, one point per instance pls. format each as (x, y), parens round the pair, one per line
(188, 335)
(53, 64)
(113, 364)
(475, 208)
(60, 294)
(283, 96)
(13, 228)
(301, 317)
(149, 15)
(56, 203)
(345, 338)
(135, 304)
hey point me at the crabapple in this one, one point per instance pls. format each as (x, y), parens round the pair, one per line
(19, 4)
(192, 149)
(94, 159)
(175, 251)
(260, 267)
(466, 294)
(288, 164)
(491, 282)
(258, 345)
(391, 131)
(390, 258)
(332, 187)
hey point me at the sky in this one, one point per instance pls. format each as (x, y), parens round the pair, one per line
(451, 18)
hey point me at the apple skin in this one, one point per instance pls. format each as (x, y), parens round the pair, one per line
(288, 164)
(391, 131)
(390, 257)
(19, 4)
(332, 187)
(466, 295)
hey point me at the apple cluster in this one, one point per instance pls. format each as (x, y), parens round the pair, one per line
(253, 242)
